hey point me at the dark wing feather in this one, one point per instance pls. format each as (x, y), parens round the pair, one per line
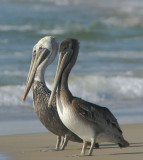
(95, 113)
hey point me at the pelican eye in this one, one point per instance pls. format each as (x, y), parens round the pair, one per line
(34, 53)
(65, 48)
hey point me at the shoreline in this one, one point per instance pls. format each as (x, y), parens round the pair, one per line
(17, 127)
(27, 122)
(39, 146)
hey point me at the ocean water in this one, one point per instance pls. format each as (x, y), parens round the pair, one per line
(109, 69)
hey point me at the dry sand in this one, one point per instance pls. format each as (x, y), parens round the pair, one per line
(34, 146)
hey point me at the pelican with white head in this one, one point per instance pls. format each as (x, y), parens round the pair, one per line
(44, 53)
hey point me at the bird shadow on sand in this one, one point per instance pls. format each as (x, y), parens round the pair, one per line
(107, 146)
(124, 153)
(101, 146)
(111, 146)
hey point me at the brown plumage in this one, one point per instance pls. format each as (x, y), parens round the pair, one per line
(49, 116)
(44, 52)
(87, 120)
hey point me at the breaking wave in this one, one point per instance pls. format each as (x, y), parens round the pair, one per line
(92, 88)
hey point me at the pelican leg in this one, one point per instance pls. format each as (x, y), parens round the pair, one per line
(58, 142)
(62, 141)
(91, 147)
(65, 141)
(85, 143)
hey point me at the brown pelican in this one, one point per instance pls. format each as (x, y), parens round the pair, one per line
(44, 52)
(90, 122)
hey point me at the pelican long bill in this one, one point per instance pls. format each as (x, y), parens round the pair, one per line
(33, 67)
(61, 64)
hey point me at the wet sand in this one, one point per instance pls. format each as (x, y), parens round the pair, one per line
(38, 146)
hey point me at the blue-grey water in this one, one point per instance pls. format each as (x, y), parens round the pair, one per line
(109, 69)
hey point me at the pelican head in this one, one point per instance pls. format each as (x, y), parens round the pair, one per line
(68, 54)
(44, 53)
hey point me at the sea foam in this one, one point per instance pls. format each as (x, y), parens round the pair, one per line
(108, 87)
(11, 97)
(92, 87)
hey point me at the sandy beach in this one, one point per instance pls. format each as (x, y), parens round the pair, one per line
(108, 72)
(39, 146)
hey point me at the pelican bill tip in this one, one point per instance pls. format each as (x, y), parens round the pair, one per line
(23, 98)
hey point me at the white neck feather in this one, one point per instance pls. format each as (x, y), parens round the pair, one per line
(39, 76)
